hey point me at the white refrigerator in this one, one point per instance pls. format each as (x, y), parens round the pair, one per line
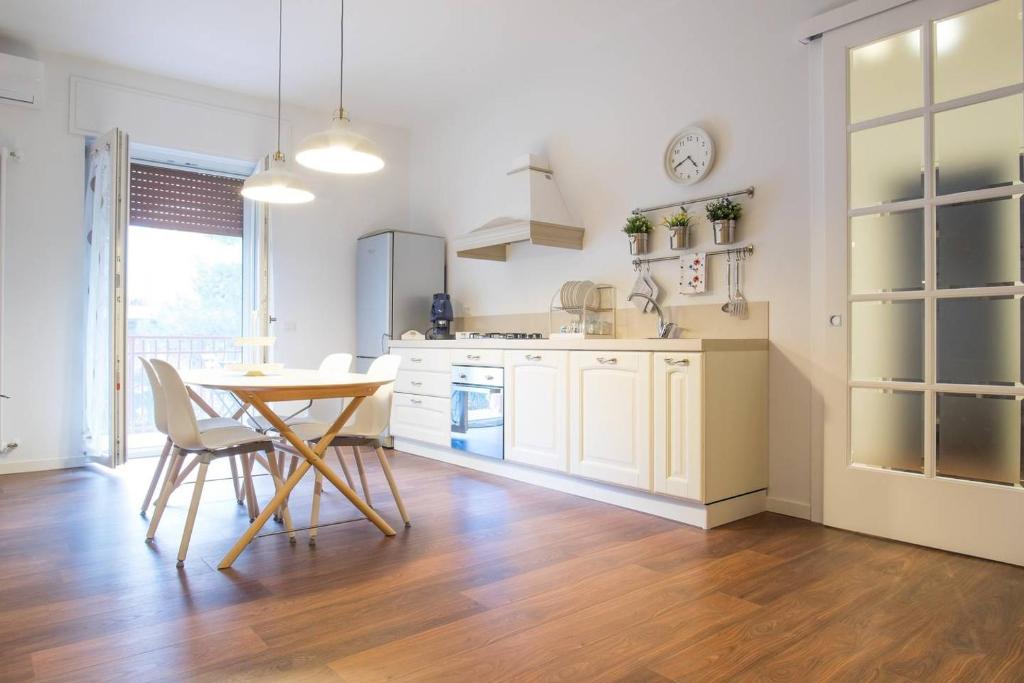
(397, 275)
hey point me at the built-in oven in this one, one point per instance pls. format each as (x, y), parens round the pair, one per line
(478, 410)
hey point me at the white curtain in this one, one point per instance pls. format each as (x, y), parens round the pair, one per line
(99, 226)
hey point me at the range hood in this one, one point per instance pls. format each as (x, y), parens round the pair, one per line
(536, 214)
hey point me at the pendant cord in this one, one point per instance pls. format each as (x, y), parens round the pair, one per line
(280, 42)
(341, 69)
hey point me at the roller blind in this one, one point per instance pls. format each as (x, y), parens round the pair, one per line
(185, 200)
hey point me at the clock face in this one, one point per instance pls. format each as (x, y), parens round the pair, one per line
(689, 156)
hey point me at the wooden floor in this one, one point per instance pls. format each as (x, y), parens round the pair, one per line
(496, 581)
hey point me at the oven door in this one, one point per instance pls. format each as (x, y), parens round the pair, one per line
(478, 419)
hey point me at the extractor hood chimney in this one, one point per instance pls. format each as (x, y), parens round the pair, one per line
(538, 215)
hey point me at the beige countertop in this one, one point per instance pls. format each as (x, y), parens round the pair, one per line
(670, 345)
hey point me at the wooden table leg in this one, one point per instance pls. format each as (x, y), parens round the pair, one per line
(312, 458)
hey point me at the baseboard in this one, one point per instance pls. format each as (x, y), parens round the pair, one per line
(676, 509)
(792, 508)
(22, 466)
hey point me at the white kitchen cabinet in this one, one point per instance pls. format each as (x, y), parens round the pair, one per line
(609, 417)
(678, 418)
(536, 400)
(424, 418)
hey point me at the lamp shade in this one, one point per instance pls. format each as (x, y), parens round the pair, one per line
(339, 149)
(277, 185)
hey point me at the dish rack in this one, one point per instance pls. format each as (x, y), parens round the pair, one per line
(581, 309)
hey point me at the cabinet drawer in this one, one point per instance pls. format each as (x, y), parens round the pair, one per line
(424, 360)
(424, 383)
(489, 357)
(424, 418)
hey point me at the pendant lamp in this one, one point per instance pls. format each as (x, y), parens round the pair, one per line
(339, 149)
(277, 184)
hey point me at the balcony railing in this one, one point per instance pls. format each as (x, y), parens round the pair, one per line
(184, 353)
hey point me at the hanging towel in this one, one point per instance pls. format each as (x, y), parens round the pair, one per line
(691, 273)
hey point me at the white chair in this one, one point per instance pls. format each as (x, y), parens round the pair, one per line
(160, 421)
(208, 445)
(369, 422)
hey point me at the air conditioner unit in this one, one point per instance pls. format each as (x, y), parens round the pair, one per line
(21, 80)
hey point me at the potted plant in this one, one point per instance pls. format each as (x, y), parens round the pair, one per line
(678, 225)
(723, 214)
(638, 228)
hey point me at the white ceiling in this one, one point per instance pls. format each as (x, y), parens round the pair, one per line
(406, 60)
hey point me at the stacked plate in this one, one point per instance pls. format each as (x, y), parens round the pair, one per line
(576, 294)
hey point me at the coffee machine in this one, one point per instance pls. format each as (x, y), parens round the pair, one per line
(441, 317)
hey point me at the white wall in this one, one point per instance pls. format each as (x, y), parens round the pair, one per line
(603, 115)
(45, 255)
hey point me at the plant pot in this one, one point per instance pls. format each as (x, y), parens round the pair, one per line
(725, 231)
(679, 238)
(637, 243)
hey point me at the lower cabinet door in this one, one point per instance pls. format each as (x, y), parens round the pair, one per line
(678, 420)
(610, 417)
(536, 399)
(423, 418)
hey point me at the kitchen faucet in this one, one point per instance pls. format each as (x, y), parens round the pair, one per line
(664, 329)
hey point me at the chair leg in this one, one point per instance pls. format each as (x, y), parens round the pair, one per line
(177, 458)
(275, 472)
(250, 491)
(234, 479)
(156, 477)
(362, 475)
(384, 465)
(344, 467)
(190, 521)
(314, 515)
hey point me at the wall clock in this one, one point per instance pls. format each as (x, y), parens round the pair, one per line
(689, 156)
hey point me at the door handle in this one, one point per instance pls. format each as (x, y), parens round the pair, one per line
(607, 361)
(531, 356)
(681, 361)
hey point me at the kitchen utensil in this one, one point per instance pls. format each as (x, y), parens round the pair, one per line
(740, 300)
(727, 307)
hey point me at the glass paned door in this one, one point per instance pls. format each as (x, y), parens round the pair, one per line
(924, 126)
(106, 218)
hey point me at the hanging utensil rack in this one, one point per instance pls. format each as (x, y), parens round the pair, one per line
(749, 192)
(737, 251)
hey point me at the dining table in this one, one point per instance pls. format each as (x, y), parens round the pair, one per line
(259, 391)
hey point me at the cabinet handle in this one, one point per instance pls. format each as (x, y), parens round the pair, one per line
(415, 383)
(531, 356)
(607, 361)
(416, 360)
(415, 401)
(490, 377)
(462, 376)
(681, 361)
(473, 356)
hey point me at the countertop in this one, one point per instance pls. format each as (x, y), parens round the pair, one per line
(670, 345)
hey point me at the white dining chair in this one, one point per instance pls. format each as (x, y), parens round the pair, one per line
(370, 421)
(160, 422)
(207, 446)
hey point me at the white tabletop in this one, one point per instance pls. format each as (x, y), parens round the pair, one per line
(285, 379)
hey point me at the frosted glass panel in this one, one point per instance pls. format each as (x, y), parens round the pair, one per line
(978, 50)
(887, 429)
(979, 243)
(885, 163)
(887, 252)
(886, 76)
(887, 340)
(979, 340)
(979, 146)
(978, 438)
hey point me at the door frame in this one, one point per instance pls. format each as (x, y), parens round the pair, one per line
(970, 517)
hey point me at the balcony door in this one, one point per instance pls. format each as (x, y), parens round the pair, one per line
(924, 131)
